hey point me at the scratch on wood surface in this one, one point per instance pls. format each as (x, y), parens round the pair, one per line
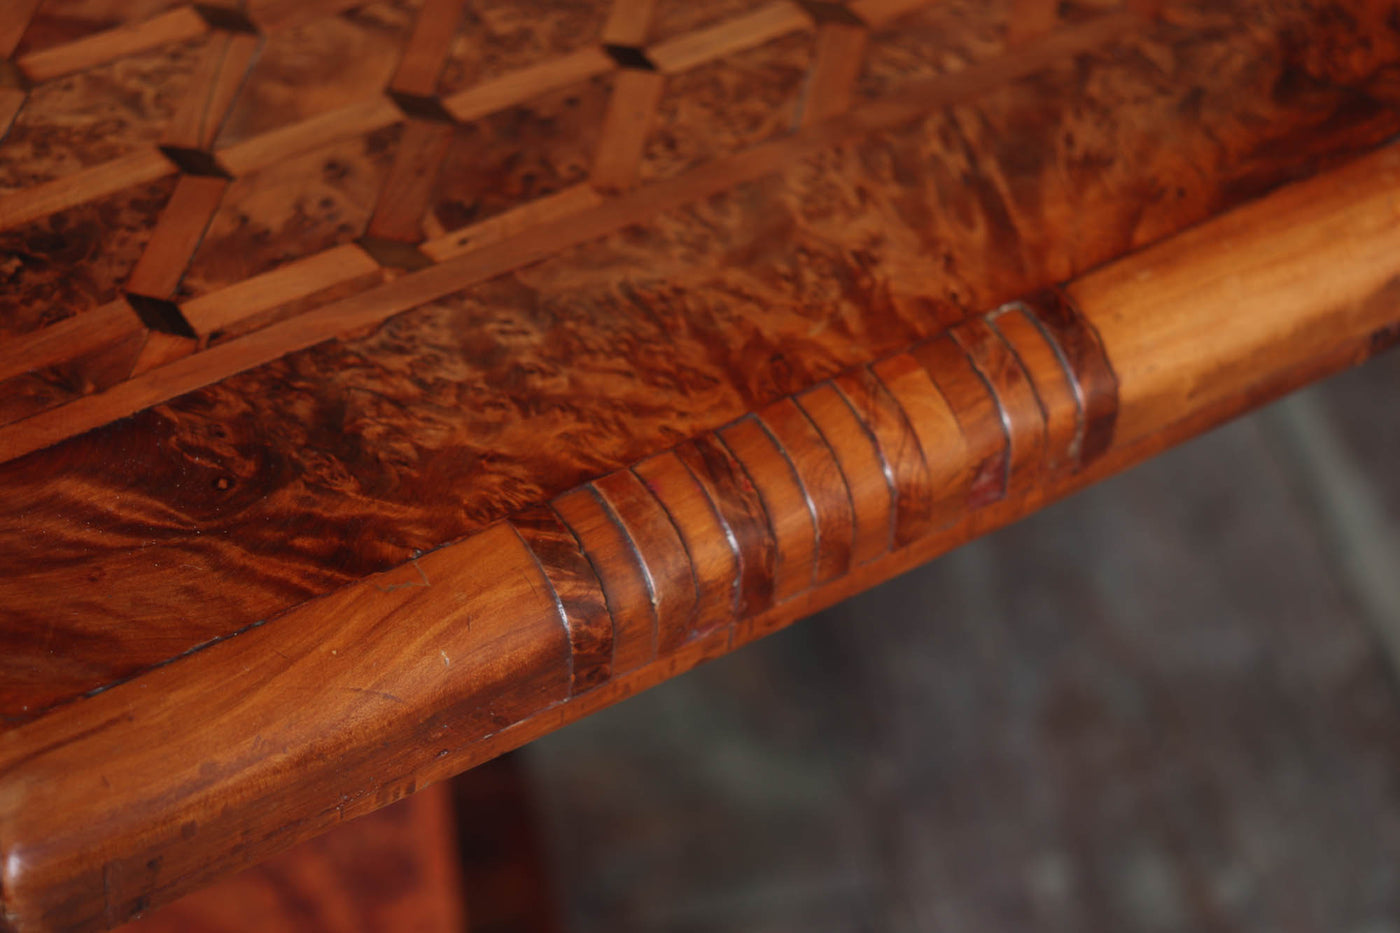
(422, 581)
(378, 693)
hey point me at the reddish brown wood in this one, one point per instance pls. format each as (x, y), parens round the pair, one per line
(899, 449)
(194, 516)
(840, 53)
(822, 483)
(1021, 412)
(176, 236)
(427, 48)
(1051, 379)
(979, 415)
(575, 585)
(791, 514)
(392, 870)
(1096, 384)
(866, 473)
(629, 23)
(13, 21)
(742, 518)
(670, 577)
(407, 193)
(708, 542)
(618, 564)
(212, 90)
(942, 447)
(456, 643)
(635, 94)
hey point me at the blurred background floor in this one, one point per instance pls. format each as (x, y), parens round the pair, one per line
(1166, 704)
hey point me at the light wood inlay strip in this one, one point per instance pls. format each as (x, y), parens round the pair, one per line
(407, 191)
(176, 236)
(549, 209)
(428, 284)
(176, 25)
(218, 310)
(68, 339)
(14, 20)
(357, 119)
(629, 22)
(518, 86)
(428, 47)
(635, 95)
(139, 167)
(745, 32)
(413, 675)
(837, 62)
(220, 76)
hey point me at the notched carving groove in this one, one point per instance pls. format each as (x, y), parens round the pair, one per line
(885, 467)
(685, 546)
(1079, 344)
(637, 557)
(586, 668)
(806, 496)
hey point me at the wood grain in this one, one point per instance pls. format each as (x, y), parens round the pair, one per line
(867, 473)
(486, 647)
(501, 37)
(744, 522)
(427, 48)
(752, 292)
(790, 513)
(68, 339)
(466, 649)
(14, 19)
(174, 26)
(1021, 411)
(408, 189)
(623, 574)
(635, 94)
(1052, 381)
(822, 483)
(985, 429)
(212, 90)
(768, 22)
(671, 581)
(836, 64)
(176, 235)
(485, 605)
(712, 550)
(531, 159)
(741, 365)
(575, 585)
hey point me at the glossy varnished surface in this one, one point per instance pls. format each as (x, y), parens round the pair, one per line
(397, 467)
(403, 678)
(227, 505)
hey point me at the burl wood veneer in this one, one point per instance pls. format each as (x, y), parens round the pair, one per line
(385, 384)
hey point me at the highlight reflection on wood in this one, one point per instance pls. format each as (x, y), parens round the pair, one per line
(329, 468)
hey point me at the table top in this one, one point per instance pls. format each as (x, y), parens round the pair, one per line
(383, 384)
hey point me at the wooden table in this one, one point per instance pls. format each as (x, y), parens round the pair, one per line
(383, 385)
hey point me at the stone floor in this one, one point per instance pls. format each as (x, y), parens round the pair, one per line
(1168, 704)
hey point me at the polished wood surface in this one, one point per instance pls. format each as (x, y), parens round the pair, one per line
(363, 422)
